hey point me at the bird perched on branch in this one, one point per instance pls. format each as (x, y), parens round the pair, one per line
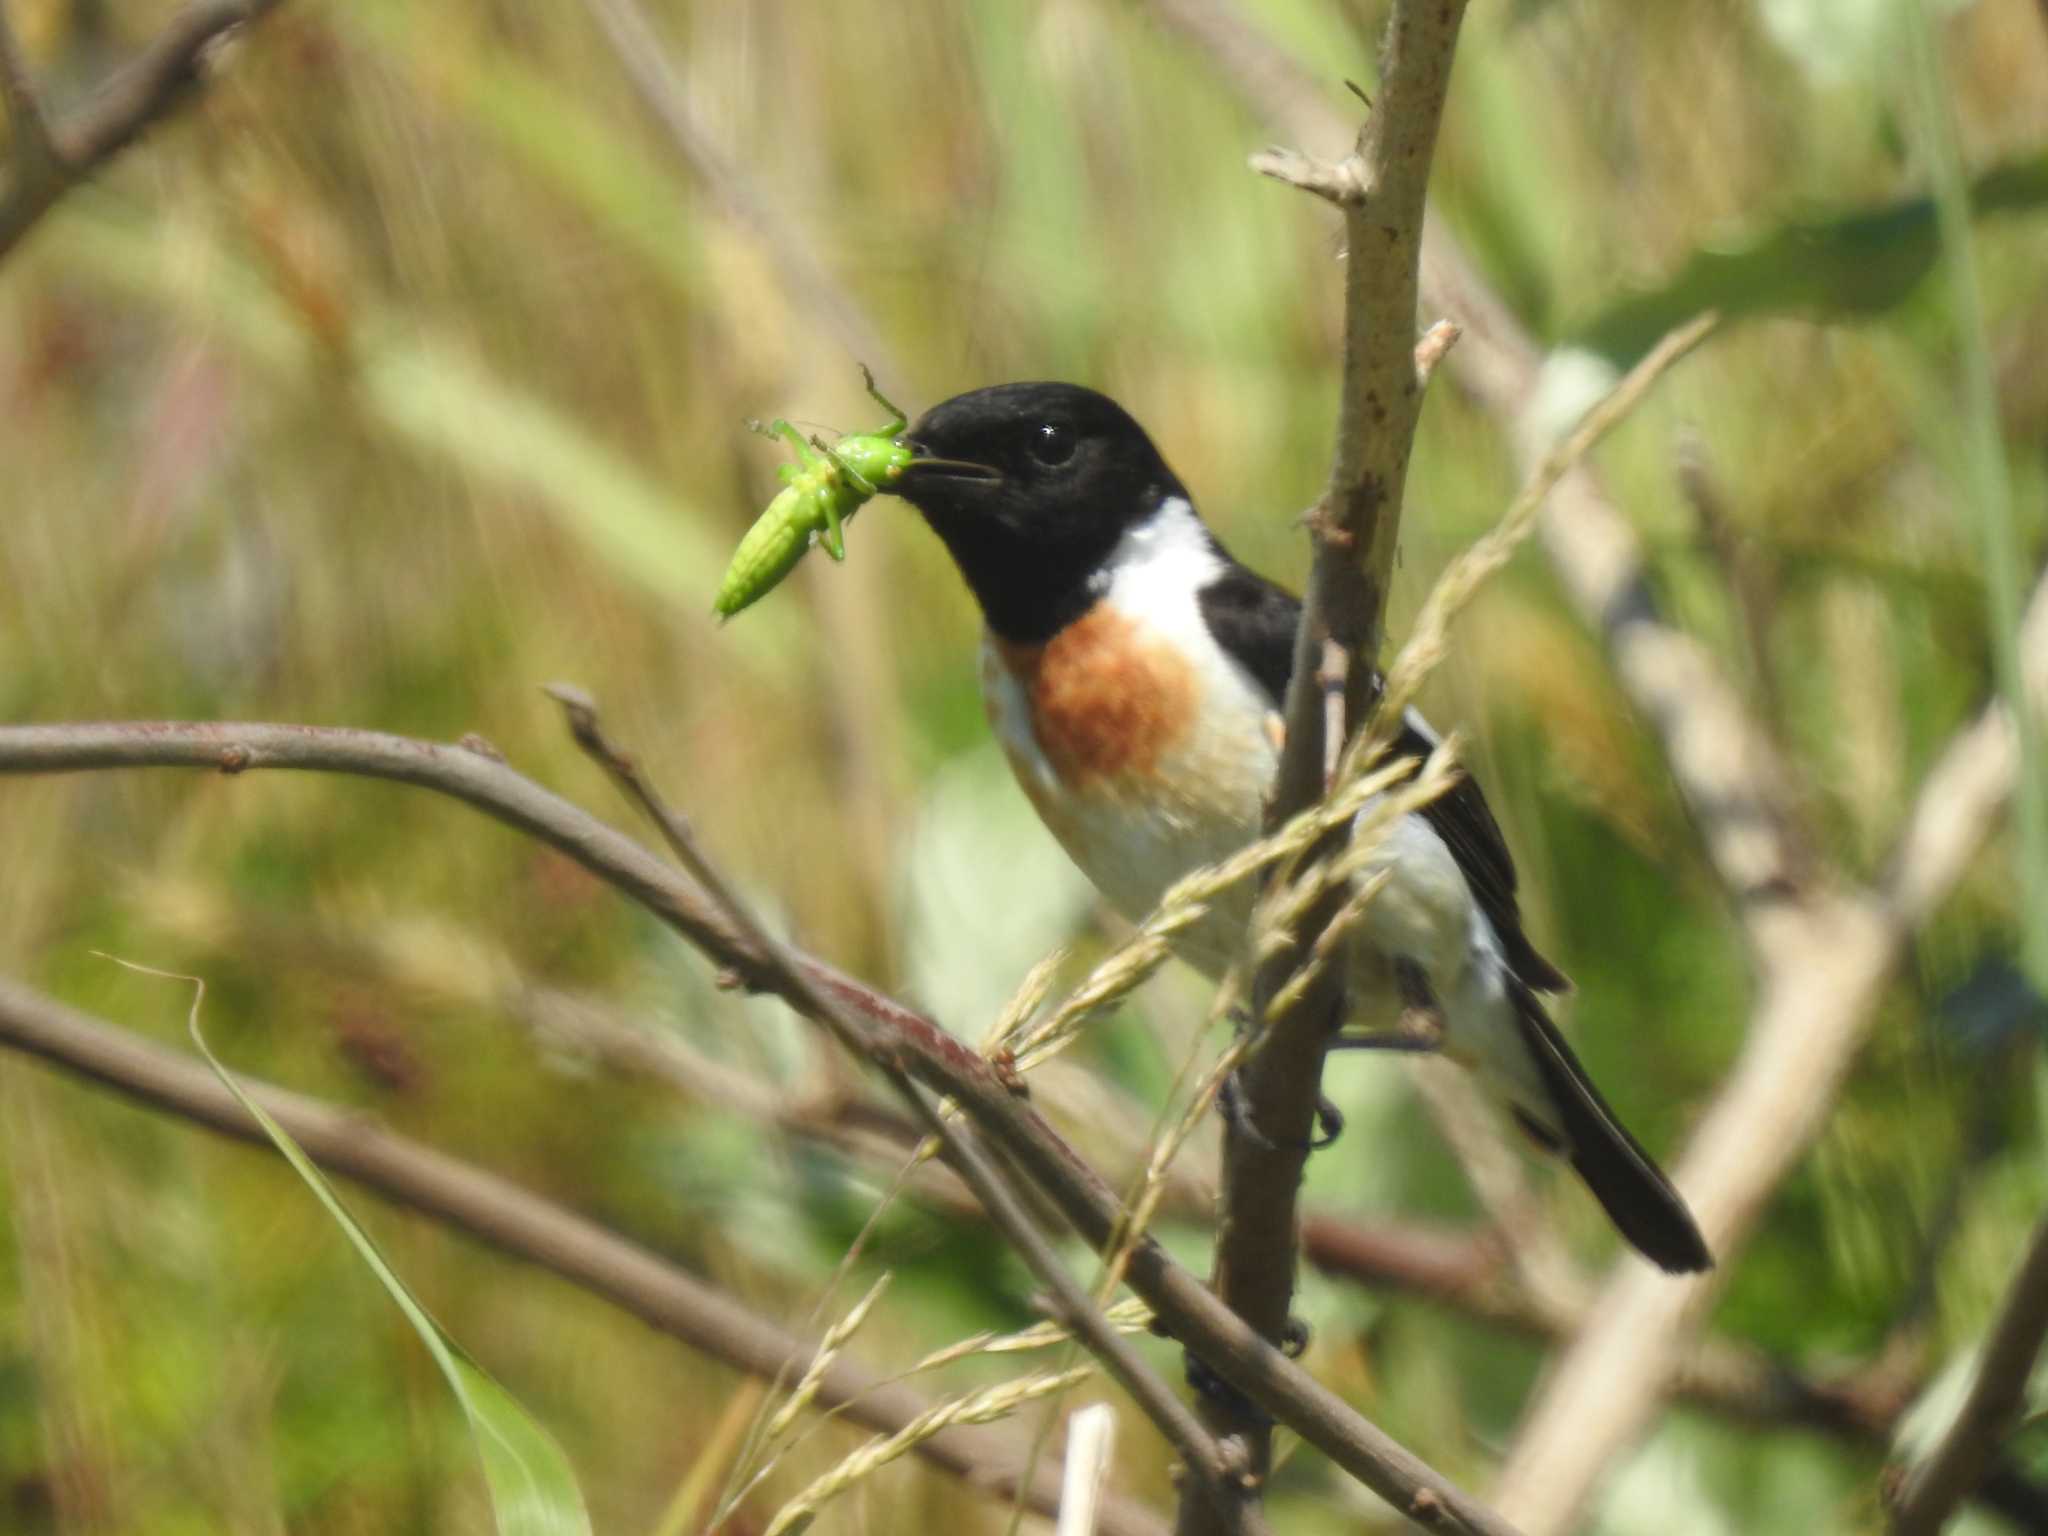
(1135, 674)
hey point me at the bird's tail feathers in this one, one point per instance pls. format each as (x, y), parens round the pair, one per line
(1622, 1176)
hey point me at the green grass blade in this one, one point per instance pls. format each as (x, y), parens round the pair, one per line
(1987, 478)
(533, 1489)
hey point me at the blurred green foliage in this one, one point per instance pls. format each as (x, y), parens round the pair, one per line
(406, 373)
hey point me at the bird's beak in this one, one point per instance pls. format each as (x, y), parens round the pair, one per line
(926, 467)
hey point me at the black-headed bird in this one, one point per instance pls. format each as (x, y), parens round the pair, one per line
(1134, 674)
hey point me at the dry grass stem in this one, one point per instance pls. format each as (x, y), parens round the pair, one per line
(1128, 1316)
(1429, 640)
(983, 1407)
(1187, 902)
(1025, 1002)
(828, 1351)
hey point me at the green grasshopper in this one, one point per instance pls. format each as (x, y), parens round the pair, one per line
(820, 491)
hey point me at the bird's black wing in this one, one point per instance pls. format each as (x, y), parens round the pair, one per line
(1255, 620)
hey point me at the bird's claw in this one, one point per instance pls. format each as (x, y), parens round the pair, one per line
(1237, 1114)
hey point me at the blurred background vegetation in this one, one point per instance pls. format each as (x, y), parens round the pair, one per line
(406, 373)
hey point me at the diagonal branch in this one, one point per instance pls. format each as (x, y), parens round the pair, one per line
(1935, 1486)
(1075, 1308)
(28, 128)
(520, 1223)
(887, 1031)
(50, 158)
(1380, 187)
(1825, 963)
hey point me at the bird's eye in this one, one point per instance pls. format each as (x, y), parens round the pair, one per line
(1051, 445)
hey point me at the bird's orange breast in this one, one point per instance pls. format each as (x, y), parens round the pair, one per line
(1107, 701)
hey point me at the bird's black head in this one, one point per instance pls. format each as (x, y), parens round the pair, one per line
(1031, 486)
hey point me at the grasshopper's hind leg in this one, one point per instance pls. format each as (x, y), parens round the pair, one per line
(832, 538)
(897, 420)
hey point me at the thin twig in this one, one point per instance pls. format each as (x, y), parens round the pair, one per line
(1943, 1479)
(515, 1221)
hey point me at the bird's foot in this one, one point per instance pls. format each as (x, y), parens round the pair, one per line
(1237, 1114)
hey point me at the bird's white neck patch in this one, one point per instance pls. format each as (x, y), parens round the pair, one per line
(1159, 565)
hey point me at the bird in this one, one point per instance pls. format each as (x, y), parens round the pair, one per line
(1134, 673)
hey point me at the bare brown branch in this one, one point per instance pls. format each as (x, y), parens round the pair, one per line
(525, 1226)
(63, 153)
(1381, 187)
(1824, 962)
(1934, 1487)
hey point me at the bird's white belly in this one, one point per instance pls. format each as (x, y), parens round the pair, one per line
(1201, 799)
(1193, 796)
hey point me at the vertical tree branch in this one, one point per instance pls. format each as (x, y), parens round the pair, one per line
(1381, 188)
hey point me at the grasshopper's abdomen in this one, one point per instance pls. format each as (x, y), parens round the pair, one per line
(771, 548)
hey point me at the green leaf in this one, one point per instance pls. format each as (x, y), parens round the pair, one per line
(1848, 264)
(533, 1489)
